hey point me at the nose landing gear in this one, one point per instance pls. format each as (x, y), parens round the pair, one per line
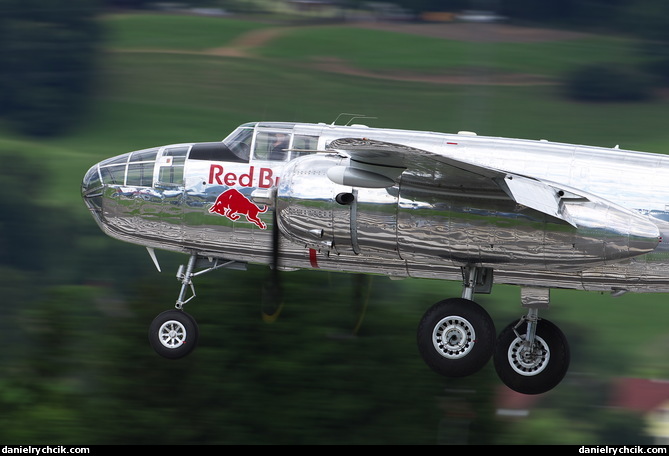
(174, 333)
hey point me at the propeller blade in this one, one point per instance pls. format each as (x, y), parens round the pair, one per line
(272, 292)
(361, 291)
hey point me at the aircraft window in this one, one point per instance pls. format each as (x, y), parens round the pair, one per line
(144, 155)
(121, 159)
(92, 179)
(171, 172)
(217, 151)
(271, 145)
(171, 175)
(276, 125)
(140, 174)
(113, 174)
(239, 143)
(178, 154)
(305, 143)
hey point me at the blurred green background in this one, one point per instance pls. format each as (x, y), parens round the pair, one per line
(83, 80)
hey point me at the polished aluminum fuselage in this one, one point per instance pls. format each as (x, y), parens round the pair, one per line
(434, 219)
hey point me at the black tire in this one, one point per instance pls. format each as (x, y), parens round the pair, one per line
(456, 337)
(173, 334)
(532, 374)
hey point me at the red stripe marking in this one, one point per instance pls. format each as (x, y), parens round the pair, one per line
(312, 258)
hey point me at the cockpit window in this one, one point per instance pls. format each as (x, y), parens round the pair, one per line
(239, 143)
(272, 145)
(304, 144)
(216, 151)
(235, 148)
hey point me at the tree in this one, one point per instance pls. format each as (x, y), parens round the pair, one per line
(47, 62)
(608, 82)
(647, 19)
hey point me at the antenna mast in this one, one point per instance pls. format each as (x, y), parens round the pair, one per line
(352, 117)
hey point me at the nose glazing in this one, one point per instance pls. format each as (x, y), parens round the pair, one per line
(91, 189)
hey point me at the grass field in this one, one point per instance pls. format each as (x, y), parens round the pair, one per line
(146, 31)
(157, 87)
(387, 51)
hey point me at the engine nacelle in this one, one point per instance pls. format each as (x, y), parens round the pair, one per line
(305, 201)
(430, 224)
(315, 211)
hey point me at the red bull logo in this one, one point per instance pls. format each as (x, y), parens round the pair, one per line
(233, 204)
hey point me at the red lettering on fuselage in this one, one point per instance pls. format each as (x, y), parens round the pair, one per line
(218, 175)
(266, 180)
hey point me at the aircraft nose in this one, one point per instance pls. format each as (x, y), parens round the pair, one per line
(91, 189)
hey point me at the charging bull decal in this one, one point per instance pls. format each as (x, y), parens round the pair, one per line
(232, 203)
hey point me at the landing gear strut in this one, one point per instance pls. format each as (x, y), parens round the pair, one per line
(174, 333)
(456, 338)
(532, 354)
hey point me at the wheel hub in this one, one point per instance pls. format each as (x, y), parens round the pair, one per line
(453, 337)
(172, 334)
(528, 360)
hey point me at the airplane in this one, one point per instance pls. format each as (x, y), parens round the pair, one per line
(351, 198)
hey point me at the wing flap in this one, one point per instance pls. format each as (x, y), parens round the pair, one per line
(541, 196)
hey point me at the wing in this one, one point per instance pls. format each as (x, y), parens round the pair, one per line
(377, 164)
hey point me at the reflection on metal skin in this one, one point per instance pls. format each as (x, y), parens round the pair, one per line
(459, 200)
(537, 298)
(455, 228)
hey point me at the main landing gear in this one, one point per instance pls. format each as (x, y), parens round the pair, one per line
(456, 338)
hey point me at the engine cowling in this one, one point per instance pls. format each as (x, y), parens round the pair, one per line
(315, 211)
(429, 223)
(305, 201)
